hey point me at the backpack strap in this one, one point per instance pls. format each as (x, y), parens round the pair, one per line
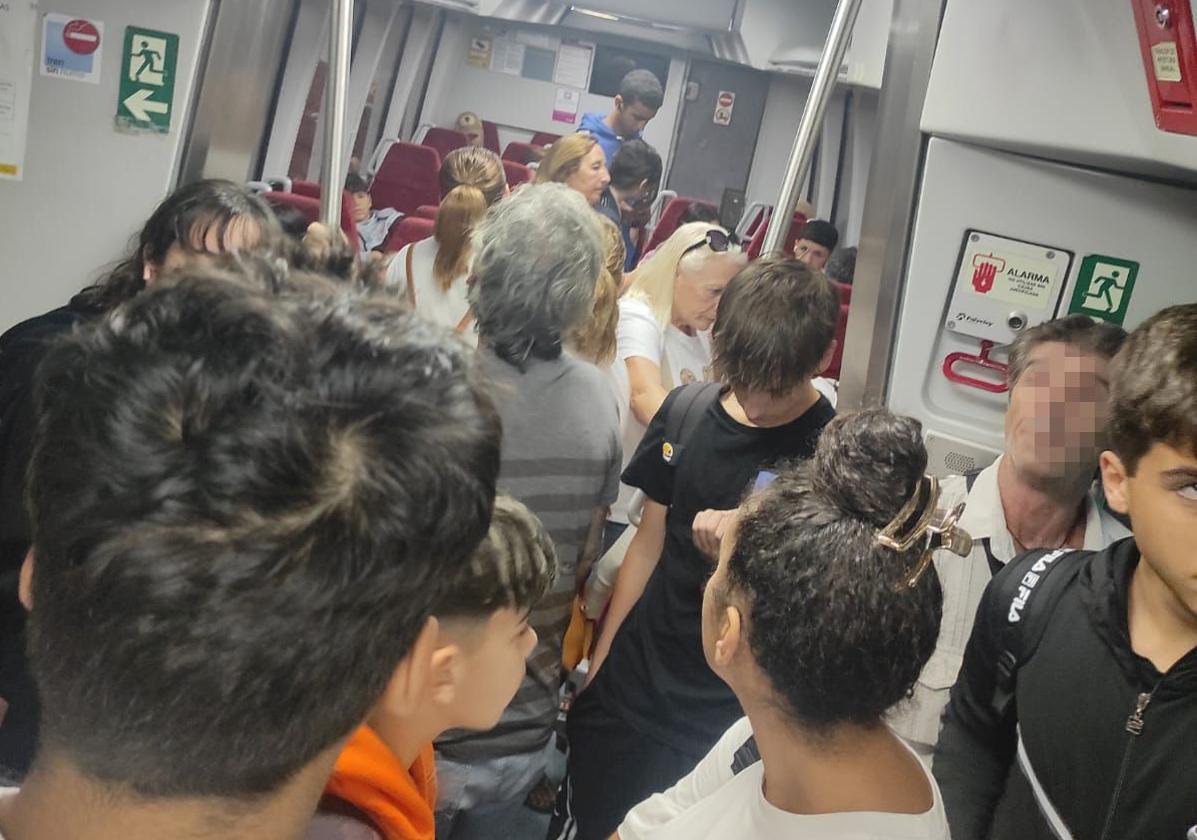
(690, 403)
(1027, 592)
(748, 755)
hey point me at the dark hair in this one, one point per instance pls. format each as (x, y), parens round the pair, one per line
(1153, 386)
(292, 220)
(643, 87)
(513, 567)
(1098, 338)
(776, 319)
(842, 265)
(355, 183)
(821, 233)
(636, 162)
(830, 621)
(699, 212)
(188, 217)
(244, 508)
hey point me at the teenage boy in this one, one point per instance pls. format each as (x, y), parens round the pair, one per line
(243, 510)
(1082, 666)
(655, 707)
(372, 225)
(635, 179)
(818, 240)
(640, 97)
(384, 784)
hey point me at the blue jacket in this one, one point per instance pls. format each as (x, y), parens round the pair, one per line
(608, 139)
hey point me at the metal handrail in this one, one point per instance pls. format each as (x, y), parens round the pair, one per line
(336, 96)
(807, 137)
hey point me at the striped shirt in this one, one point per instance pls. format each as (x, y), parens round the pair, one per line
(561, 457)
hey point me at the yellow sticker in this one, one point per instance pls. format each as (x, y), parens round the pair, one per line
(1167, 62)
(8, 169)
(667, 451)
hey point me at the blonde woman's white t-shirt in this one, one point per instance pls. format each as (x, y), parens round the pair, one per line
(713, 802)
(446, 307)
(639, 334)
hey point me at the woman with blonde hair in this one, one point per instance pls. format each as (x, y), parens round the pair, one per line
(662, 338)
(594, 339)
(433, 273)
(578, 162)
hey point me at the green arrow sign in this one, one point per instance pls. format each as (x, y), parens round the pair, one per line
(146, 98)
(1103, 288)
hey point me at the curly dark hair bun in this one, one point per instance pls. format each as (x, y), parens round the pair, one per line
(828, 621)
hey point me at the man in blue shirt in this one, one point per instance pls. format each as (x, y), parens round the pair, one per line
(639, 98)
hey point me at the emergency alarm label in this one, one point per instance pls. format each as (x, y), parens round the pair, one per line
(1166, 61)
(1103, 288)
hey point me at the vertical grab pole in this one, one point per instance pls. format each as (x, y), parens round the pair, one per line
(812, 120)
(336, 94)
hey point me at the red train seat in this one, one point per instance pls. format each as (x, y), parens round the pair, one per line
(407, 177)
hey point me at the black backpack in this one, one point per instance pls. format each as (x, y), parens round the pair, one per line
(687, 409)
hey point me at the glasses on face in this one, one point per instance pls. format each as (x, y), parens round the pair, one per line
(717, 239)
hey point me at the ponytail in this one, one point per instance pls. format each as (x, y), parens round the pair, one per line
(461, 209)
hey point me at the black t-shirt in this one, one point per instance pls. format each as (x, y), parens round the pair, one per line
(656, 676)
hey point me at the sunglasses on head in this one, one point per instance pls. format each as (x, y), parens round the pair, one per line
(717, 239)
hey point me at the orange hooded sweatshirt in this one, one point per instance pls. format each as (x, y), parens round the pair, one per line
(399, 801)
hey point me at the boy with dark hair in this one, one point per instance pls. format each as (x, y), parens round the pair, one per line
(640, 97)
(235, 551)
(1082, 666)
(655, 707)
(818, 240)
(635, 179)
(372, 225)
(384, 784)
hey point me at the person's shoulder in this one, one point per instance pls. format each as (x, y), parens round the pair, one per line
(40, 327)
(635, 307)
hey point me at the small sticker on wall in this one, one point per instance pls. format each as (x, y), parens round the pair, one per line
(479, 54)
(566, 105)
(724, 102)
(1166, 61)
(72, 48)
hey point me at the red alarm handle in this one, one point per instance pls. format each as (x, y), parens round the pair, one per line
(980, 360)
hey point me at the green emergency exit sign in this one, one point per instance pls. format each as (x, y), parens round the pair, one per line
(1104, 287)
(147, 90)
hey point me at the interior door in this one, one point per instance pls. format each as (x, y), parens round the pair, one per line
(713, 150)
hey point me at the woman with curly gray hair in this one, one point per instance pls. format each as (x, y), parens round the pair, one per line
(537, 257)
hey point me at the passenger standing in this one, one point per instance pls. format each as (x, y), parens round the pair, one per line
(1039, 494)
(818, 628)
(235, 552)
(539, 254)
(200, 218)
(640, 97)
(594, 337)
(663, 337)
(654, 707)
(576, 161)
(635, 178)
(1075, 714)
(433, 273)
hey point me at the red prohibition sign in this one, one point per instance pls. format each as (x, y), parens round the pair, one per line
(726, 99)
(81, 37)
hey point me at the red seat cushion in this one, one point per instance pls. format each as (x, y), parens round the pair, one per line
(519, 152)
(758, 238)
(308, 188)
(305, 204)
(408, 177)
(490, 136)
(517, 173)
(444, 140)
(426, 211)
(544, 138)
(668, 222)
(407, 230)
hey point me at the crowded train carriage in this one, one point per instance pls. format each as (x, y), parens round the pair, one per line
(524, 420)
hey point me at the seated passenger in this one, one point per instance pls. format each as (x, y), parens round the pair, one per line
(200, 218)
(640, 97)
(774, 329)
(635, 178)
(1082, 666)
(384, 784)
(1039, 494)
(663, 338)
(841, 267)
(469, 124)
(576, 161)
(818, 240)
(372, 225)
(818, 628)
(234, 552)
(538, 258)
(433, 273)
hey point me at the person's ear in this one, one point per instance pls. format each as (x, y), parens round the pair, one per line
(618, 102)
(149, 269)
(828, 355)
(25, 584)
(1116, 481)
(728, 641)
(445, 671)
(408, 685)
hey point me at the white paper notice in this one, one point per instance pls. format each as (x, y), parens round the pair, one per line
(573, 65)
(508, 57)
(17, 34)
(566, 105)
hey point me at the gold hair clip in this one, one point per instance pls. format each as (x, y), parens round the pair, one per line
(920, 519)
